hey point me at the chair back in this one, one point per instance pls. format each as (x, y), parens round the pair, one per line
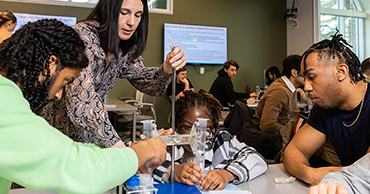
(139, 96)
(148, 100)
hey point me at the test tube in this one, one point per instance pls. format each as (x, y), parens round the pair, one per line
(201, 139)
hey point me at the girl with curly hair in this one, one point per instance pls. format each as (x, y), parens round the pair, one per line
(226, 159)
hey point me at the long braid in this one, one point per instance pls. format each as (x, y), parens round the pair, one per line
(211, 106)
(30, 47)
(337, 48)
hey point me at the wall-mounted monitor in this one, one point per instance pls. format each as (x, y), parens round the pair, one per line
(24, 18)
(201, 44)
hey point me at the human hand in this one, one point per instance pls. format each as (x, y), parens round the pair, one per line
(181, 94)
(143, 170)
(216, 180)
(185, 81)
(152, 150)
(187, 173)
(328, 188)
(254, 95)
(251, 101)
(174, 59)
(165, 132)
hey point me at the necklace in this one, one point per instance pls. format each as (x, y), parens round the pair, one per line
(359, 112)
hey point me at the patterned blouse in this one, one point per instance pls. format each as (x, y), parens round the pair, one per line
(80, 114)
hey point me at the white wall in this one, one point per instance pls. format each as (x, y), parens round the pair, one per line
(301, 37)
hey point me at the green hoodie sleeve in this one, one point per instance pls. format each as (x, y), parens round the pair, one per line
(37, 156)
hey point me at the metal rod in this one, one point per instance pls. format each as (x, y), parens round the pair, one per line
(173, 165)
(173, 101)
(173, 121)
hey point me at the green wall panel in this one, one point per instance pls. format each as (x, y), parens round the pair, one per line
(256, 39)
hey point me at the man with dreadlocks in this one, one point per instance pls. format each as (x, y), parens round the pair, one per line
(227, 159)
(39, 60)
(335, 84)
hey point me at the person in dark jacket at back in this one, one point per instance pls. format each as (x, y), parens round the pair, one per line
(222, 88)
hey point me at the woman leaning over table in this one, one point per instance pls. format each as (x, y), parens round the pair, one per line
(115, 34)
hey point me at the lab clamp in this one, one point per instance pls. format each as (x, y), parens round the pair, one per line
(196, 139)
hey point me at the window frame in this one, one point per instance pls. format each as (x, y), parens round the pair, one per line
(169, 9)
(360, 15)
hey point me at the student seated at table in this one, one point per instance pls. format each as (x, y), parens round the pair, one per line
(222, 88)
(227, 159)
(36, 64)
(352, 179)
(341, 112)
(182, 84)
(272, 112)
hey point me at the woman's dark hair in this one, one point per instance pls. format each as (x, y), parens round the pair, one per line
(336, 49)
(106, 12)
(22, 56)
(6, 16)
(274, 71)
(211, 106)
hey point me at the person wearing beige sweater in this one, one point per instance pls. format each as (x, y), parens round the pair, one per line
(272, 112)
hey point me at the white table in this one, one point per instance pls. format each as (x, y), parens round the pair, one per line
(28, 191)
(121, 106)
(265, 184)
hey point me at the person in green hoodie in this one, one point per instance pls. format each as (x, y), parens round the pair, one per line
(36, 64)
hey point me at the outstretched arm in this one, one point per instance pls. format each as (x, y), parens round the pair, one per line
(303, 145)
(47, 159)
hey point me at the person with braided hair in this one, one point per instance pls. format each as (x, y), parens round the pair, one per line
(7, 24)
(334, 81)
(226, 159)
(40, 60)
(115, 35)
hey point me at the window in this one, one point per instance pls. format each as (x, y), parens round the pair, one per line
(348, 17)
(155, 6)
